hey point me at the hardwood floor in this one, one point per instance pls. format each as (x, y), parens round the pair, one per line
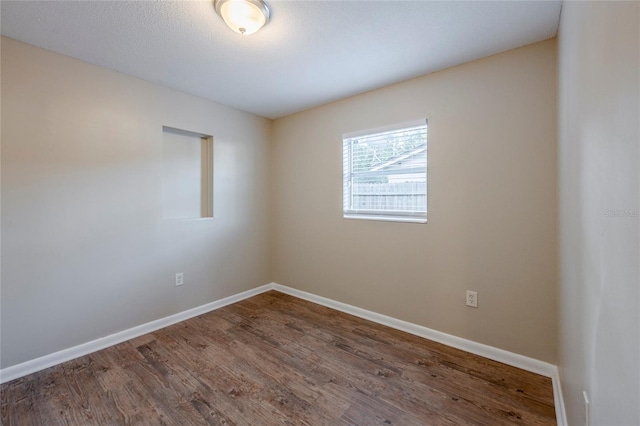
(275, 359)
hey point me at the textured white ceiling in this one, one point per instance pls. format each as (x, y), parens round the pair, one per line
(312, 52)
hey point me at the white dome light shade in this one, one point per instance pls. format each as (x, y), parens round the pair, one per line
(243, 16)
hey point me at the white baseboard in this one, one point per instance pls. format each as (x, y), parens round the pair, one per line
(500, 355)
(486, 351)
(46, 361)
(558, 399)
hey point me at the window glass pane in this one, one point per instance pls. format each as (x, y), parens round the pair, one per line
(385, 173)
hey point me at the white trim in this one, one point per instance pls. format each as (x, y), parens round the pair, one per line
(558, 399)
(500, 355)
(46, 361)
(385, 218)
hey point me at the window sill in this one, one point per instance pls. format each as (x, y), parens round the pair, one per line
(385, 218)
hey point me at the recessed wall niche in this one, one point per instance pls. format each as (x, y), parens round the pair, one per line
(187, 174)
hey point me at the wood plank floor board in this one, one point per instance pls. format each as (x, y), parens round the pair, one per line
(379, 371)
(491, 371)
(237, 374)
(282, 386)
(277, 360)
(377, 366)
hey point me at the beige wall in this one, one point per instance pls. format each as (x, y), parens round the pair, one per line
(492, 204)
(85, 252)
(86, 249)
(599, 337)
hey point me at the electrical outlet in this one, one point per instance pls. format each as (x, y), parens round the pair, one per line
(472, 299)
(179, 278)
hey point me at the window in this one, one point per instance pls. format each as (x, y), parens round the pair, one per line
(385, 173)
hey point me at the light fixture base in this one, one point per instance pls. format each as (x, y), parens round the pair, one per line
(243, 16)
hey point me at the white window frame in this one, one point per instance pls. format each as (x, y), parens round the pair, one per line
(383, 215)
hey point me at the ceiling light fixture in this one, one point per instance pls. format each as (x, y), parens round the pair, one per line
(243, 16)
